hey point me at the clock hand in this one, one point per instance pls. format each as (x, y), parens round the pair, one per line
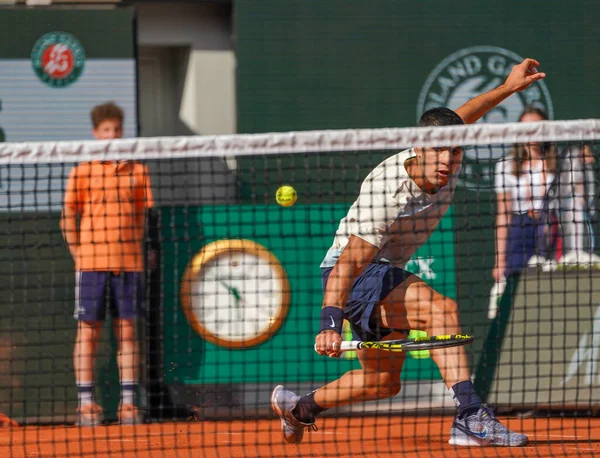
(233, 290)
(236, 295)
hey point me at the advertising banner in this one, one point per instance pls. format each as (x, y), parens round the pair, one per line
(543, 351)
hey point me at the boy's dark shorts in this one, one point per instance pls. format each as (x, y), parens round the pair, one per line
(97, 291)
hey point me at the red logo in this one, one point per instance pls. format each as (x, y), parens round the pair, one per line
(58, 61)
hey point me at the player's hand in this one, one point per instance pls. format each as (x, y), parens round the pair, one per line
(329, 343)
(523, 75)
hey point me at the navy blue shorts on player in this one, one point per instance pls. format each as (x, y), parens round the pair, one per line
(95, 292)
(372, 286)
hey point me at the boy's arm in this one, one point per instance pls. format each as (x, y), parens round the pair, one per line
(146, 218)
(68, 226)
(143, 198)
(68, 219)
(520, 78)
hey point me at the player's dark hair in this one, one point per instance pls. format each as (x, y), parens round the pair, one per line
(440, 116)
(109, 110)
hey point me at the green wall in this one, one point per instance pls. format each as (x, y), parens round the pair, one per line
(24, 27)
(310, 64)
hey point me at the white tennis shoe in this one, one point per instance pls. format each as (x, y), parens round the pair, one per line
(283, 403)
(484, 429)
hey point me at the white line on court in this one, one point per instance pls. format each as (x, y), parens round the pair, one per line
(557, 435)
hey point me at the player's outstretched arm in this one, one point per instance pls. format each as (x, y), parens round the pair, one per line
(521, 77)
(356, 256)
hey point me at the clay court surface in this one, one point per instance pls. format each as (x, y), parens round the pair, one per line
(362, 436)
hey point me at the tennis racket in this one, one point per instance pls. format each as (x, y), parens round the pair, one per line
(404, 345)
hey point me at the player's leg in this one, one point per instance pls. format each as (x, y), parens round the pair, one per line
(378, 378)
(90, 311)
(126, 291)
(415, 304)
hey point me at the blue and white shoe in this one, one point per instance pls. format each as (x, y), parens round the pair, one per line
(284, 402)
(483, 429)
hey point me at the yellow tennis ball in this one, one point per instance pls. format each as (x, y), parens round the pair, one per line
(418, 354)
(286, 196)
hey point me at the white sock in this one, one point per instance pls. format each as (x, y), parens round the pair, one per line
(85, 394)
(128, 389)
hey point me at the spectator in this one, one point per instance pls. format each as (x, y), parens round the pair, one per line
(521, 184)
(576, 198)
(110, 199)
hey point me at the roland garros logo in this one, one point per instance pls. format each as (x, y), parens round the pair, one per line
(58, 59)
(468, 73)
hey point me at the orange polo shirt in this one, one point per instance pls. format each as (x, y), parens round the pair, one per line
(111, 199)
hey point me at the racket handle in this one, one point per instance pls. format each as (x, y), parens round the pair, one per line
(349, 345)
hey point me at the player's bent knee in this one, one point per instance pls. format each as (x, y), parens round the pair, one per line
(383, 385)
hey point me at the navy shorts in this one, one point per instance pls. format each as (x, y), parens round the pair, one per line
(372, 286)
(96, 291)
(521, 243)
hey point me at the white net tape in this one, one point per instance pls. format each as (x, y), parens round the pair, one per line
(298, 142)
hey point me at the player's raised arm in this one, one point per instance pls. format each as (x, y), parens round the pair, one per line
(521, 77)
(352, 262)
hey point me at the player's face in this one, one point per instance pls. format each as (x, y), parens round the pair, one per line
(109, 129)
(439, 164)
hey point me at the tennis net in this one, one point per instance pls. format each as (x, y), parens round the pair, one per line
(228, 287)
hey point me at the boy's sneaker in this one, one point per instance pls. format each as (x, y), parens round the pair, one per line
(483, 429)
(284, 402)
(129, 415)
(89, 415)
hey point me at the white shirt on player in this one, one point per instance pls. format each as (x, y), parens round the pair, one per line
(392, 213)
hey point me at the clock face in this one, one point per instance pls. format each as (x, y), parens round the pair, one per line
(236, 295)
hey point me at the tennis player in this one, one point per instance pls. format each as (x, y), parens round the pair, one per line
(400, 203)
